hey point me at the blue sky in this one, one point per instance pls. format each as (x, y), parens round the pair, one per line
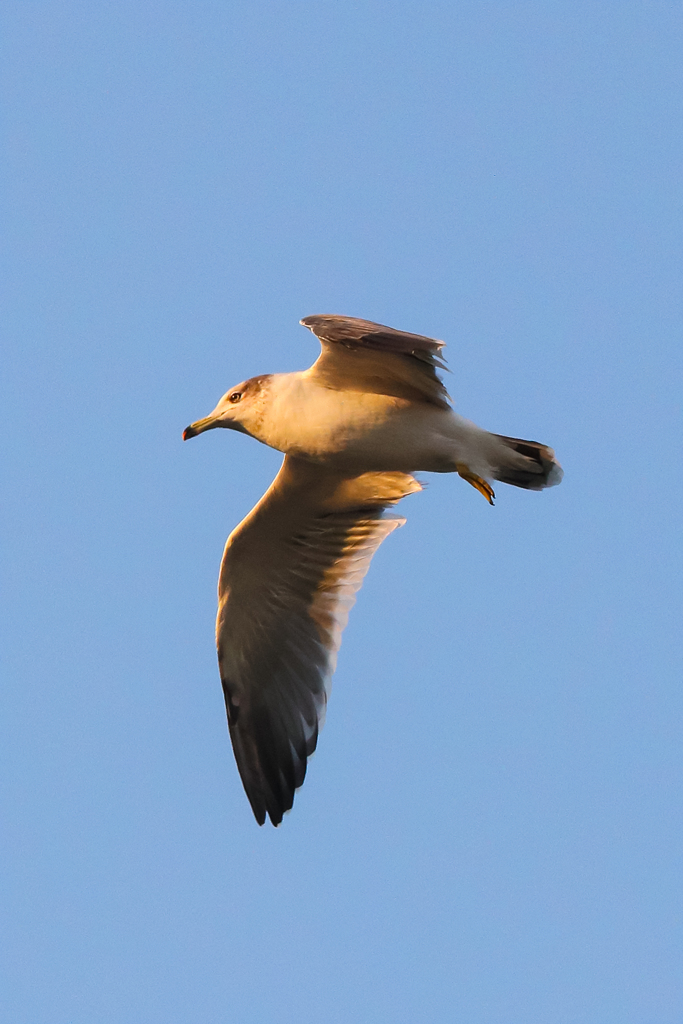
(490, 831)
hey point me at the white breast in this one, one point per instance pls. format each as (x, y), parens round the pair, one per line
(362, 431)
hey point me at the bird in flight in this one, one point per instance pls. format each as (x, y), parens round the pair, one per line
(354, 428)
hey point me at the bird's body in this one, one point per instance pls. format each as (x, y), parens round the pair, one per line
(354, 428)
(364, 431)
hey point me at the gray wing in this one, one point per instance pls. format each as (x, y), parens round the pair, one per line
(360, 353)
(289, 577)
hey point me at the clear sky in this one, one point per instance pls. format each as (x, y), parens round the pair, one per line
(490, 831)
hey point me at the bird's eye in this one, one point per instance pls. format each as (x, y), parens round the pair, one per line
(235, 396)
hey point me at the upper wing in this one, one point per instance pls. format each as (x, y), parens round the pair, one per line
(288, 579)
(362, 355)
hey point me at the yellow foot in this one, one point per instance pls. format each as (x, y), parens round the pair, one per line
(481, 485)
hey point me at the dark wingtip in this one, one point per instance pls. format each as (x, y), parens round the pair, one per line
(188, 432)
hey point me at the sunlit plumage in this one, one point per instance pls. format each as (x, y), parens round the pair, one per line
(369, 413)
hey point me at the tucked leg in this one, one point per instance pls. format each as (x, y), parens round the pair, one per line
(481, 485)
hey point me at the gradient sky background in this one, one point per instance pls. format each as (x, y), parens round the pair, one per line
(490, 831)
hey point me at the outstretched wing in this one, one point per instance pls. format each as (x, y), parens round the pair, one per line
(288, 579)
(362, 355)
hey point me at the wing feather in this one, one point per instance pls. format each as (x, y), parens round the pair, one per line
(288, 580)
(362, 355)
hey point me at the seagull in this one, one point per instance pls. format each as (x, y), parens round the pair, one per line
(354, 428)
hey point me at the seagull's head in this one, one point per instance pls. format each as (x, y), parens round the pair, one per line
(241, 409)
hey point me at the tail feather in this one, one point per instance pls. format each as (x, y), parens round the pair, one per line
(526, 464)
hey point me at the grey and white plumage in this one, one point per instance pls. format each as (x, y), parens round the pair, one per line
(354, 427)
